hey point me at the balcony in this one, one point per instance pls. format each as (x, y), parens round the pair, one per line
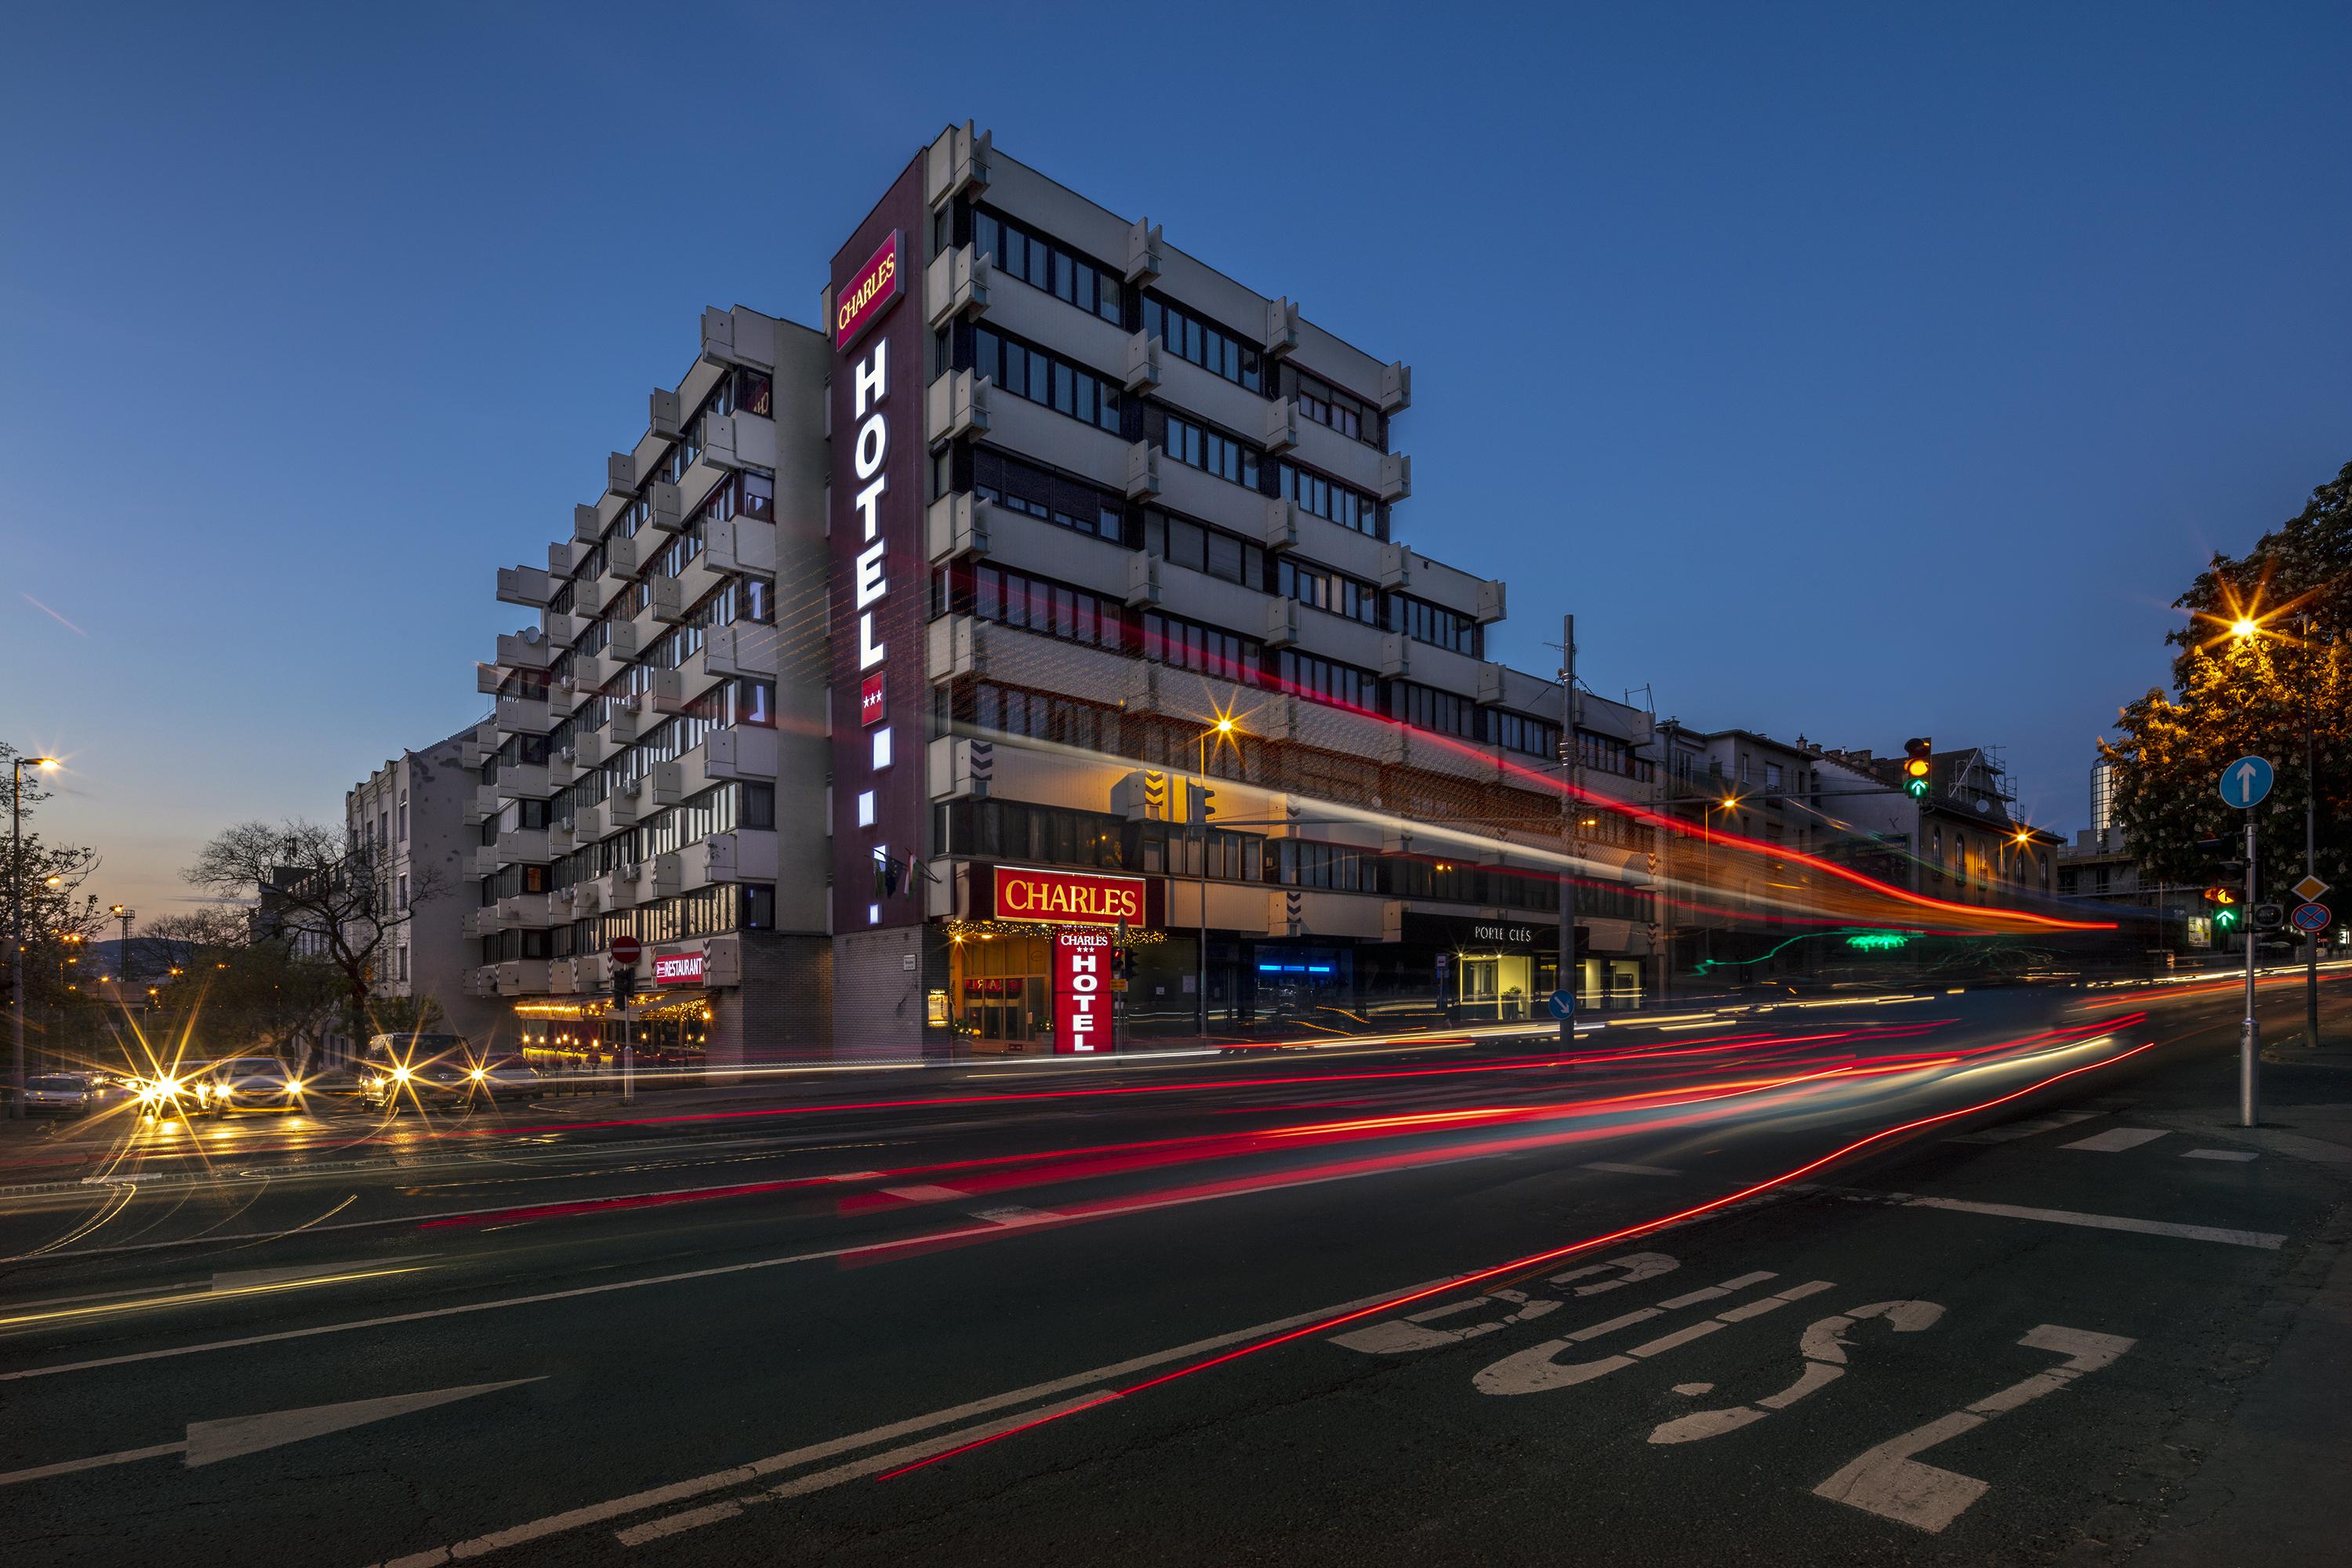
(956, 405)
(956, 286)
(488, 679)
(733, 441)
(526, 650)
(629, 641)
(473, 752)
(562, 627)
(1396, 477)
(1142, 470)
(743, 854)
(522, 781)
(621, 474)
(666, 601)
(740, 544)
(580, 898)
(1281, 328)
(621, 808)
(522, 846)
(676, 690)
(628, 721)
(624, 559)
(665, 876)
(665, 414)
(484, 861)
(524, 911)
(560, 841)
(524, 716)
(590, 749)
(666, 507)
(741, 753)
(587, 526)
(744, 649)
(733, 337)
(481, 804)
(667, 783)
(956, 526)
(1281, 621)
(1142, 363)
(522, 977)
(525, 586)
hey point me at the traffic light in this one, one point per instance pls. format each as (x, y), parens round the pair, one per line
(2225, 904)
(624, 982)
(1919, 753)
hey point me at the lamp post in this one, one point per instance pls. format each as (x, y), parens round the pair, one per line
(1220, 732)
(2246, 628)
(124, 913)
(16, 766)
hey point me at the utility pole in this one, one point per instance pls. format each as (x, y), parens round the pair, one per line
(1571, 772)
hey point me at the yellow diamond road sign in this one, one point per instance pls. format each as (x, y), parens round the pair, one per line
(2309, 890)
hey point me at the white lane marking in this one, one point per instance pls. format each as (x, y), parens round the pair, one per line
(2025, 1129)
(2220, 1154)
(2105, 1222)
(740, 1475)
(1619, 1168)
(670, 1524)
(234, 1437)
(2116, 1140)
(1399, 1335)
(1014, 1215)
(1537, 1368)
(1824, 1345)
(1887, 1481)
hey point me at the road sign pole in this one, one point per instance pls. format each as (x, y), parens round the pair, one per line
(2248, 1040)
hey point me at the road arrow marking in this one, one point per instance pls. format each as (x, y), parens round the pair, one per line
(210, 1442)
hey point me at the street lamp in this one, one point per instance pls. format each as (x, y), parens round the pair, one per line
(16, 766)
(2246, 629)
(1220, 733)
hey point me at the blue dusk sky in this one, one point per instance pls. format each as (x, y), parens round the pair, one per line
(1860, 370)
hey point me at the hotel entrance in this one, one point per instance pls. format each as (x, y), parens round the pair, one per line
(1001, 991)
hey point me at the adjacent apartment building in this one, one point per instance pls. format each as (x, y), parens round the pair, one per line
(411, 814)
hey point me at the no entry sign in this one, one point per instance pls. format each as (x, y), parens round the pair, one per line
(627, 951)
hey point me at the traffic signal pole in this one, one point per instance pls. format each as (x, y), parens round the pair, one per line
(2249, 1039)
(1569, 980)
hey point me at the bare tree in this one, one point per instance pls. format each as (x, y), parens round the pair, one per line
(239, 990)
(325, 895)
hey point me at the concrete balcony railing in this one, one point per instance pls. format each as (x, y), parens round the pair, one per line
(522, 846)
(678, 690)
(525, 586)
(741, 855)
(480, 805)
(522, 976)
(527, 650)
(525, 716)
(744, 649)
(740, 544)
(742, 752)
(665, 875)
(630, 640)
(580, 898)
(523, 780)
(481, 860)
(524, 910)
(628, 722)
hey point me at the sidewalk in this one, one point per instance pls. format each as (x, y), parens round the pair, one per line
(2272, 1486)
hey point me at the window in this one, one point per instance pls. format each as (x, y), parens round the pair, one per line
(402, 953)
(1322, 498)
(1518, 733)
(1328, 681)
(1207, 449)
(1212, 348)
(403, 892)
(1189, 645)
(1608, 755)
(404, 819)
(1203, 549)
(1041, 377)
(1328, 590)
(1329, 407)
(1435, 624)
(1426, 708)
(1024, 487)
(1043, 264)
(1051, 609)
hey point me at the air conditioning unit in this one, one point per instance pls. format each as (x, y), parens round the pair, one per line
(629, 871)
(569, 752)
(563, 683)
(628, 704)
(636, 788)
(568, 894)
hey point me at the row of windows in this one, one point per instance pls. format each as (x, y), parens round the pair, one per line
(1426, 622)
(1328, 406)
(1024, 487)
(1212, 348)
(1518, 733)
(1056, 609)
(1327, 590)
(1208, 450)
(1608, 755)
(1041, 377)
(1325, 499)
(1206, 549)
(706, 911)
(1188, 644)
(1426, 708)
(1043, 264)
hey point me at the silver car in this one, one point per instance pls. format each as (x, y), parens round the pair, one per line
(59, 1094)
(247, 1083)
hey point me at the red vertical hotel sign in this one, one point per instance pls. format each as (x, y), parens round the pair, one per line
(868, 294)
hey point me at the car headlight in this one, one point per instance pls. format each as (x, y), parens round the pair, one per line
(400, 1075)
(477, 1075)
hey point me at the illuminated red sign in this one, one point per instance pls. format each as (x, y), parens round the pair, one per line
(1068, 898)
(870, 706)
(871, 291)
(677, 969)
(1082, 1007)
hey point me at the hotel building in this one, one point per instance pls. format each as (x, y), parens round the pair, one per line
(1060, 589)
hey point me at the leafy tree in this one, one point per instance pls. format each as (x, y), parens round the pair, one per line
(2264, 655)
(240, 989)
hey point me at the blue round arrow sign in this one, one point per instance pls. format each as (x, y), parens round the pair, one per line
(2246, 782)
(1562, 1006)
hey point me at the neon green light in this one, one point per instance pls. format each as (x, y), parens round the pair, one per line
(1878, 940)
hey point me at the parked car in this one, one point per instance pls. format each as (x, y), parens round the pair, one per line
(59, 1094)
(247, 1083)
(501, 1077)
(398, 1071)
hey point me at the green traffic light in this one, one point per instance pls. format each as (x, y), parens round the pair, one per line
(2225, 920)
(1916, 789)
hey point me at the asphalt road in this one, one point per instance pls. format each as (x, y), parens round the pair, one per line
(1407, 1305)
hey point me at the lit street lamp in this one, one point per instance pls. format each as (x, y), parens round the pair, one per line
(16, 766)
